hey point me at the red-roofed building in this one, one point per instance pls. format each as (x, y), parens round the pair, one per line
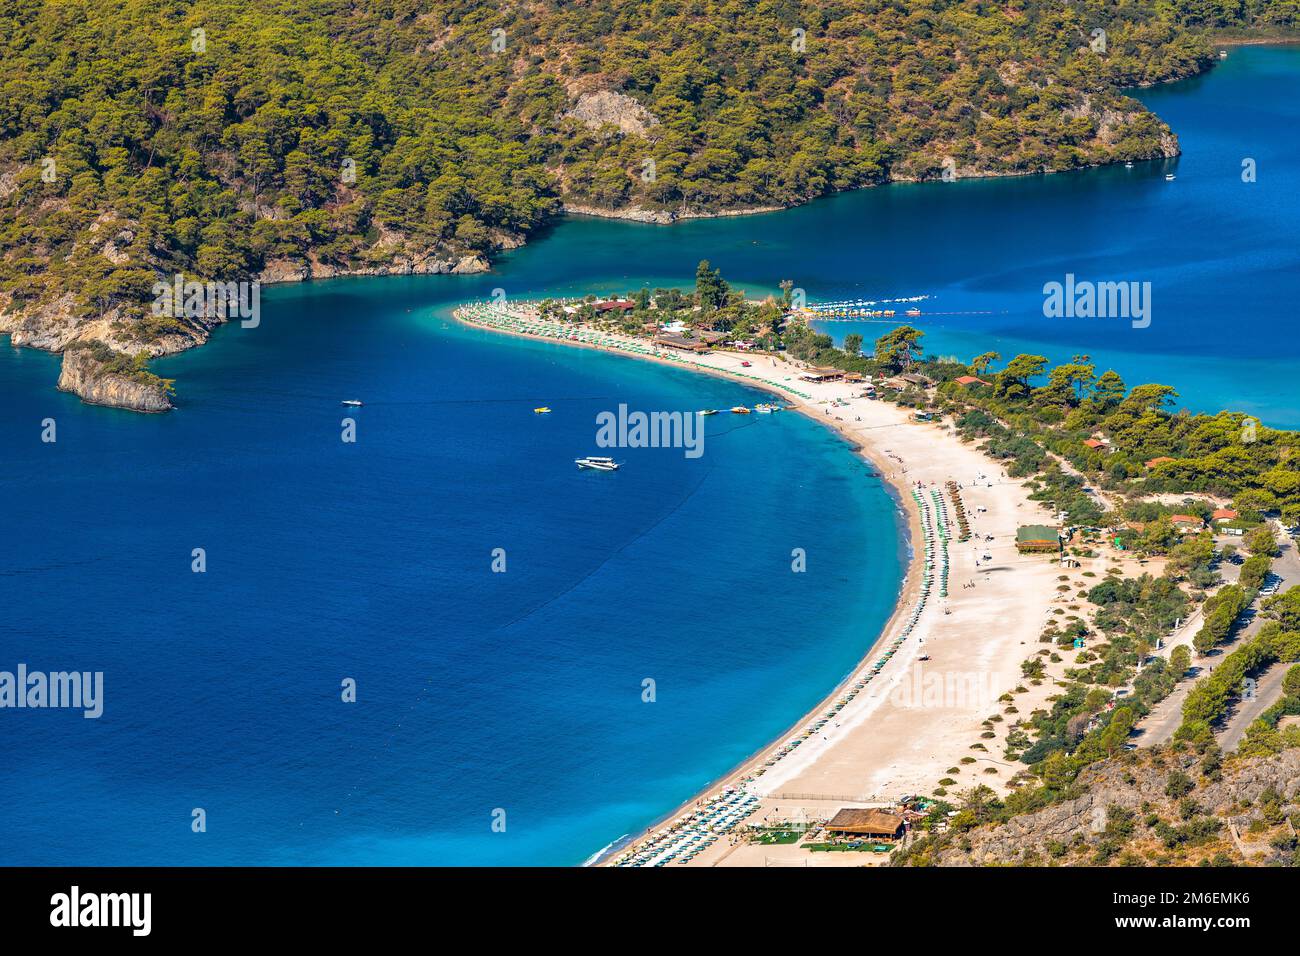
(1094, 443)
(967, 380)
(622, 305)
(1224, 515)
(1158, 461)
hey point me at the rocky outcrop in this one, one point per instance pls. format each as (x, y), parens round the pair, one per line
(609, 108)
(1135, 784)
(662, 217)
(88, 377)
(58, 324)
(297, 270)
(50, 326)
(90, 342)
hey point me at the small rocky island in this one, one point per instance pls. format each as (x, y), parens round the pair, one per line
(104, 377)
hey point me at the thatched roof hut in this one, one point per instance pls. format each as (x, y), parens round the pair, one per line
(868, 823)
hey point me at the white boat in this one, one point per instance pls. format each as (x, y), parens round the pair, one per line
(707, 411)
(1128, 165)
(596, 462)
(1170, 177)
(352, 402)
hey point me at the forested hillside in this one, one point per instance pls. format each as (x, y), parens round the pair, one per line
(285, 138)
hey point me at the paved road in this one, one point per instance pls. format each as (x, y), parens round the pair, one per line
(1166, 717)
(1268, 688)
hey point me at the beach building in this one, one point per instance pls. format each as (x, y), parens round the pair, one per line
(1155, 462)
(821, 374)
(673, 341)
(875, 824)
(614, 305)
(965, 381)
(911, 378)
(1037, 539)
(1224, 515)
(1186, 523)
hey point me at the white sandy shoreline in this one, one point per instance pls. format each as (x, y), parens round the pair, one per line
(876, 746)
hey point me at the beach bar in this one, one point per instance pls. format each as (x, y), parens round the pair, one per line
(876, 824)
(821, 374)
(681, 342)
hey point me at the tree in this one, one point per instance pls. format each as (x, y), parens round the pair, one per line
(1150, 397)
(1291, 682)
(853, 343)
(1194, 551)
(1180, 658)
(787, 293)
(1261, 540)
(711, 290)
(897, 349)
(1013, 381)
(982, 361)
(1108, 391)
(1066, 383)
(1285, 608)
(1159, 536)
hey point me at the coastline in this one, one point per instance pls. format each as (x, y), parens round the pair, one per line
(52, 335)
(890, 469)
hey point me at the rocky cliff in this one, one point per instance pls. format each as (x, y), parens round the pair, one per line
(96, 383)
(1164, 807)
(62, 324)
(299, 270)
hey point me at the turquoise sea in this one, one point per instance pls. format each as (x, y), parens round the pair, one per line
(522, 691)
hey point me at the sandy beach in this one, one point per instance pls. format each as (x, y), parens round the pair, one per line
(895, 729)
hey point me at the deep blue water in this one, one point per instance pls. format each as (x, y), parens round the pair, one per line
(477, 690)
(522, 690)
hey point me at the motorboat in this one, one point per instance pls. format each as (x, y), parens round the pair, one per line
(597, 463)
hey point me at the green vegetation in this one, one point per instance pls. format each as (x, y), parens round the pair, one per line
(1169, 818)
(134, 368)
(1072, 432)
(778, 837)
(1209, 699)
(1254, 571)
(1145, 607)
(1221, 612)
(140, 138)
